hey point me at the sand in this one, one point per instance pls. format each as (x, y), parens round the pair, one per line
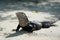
(9, 21)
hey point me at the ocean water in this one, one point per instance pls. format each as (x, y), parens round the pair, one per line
(50, 6)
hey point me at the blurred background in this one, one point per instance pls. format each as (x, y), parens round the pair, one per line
(35, 10)
(51, 6)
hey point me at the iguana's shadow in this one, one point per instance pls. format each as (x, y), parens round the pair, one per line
(17, 33)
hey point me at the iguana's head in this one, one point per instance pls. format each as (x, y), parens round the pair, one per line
(23, 20)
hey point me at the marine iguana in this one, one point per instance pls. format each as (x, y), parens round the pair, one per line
(26, 25)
